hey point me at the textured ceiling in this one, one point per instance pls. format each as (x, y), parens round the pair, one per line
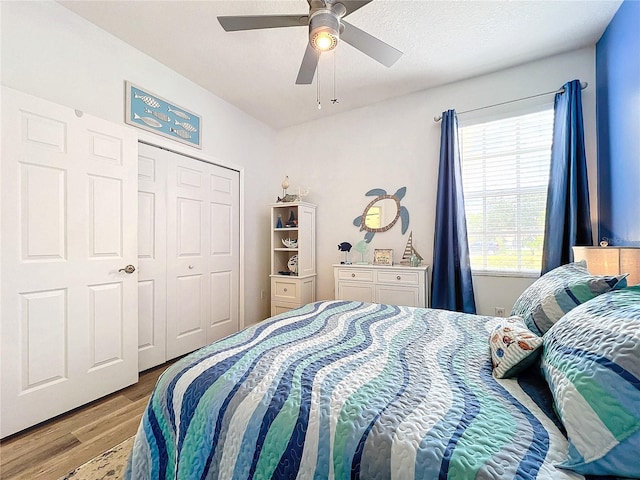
(442, 41)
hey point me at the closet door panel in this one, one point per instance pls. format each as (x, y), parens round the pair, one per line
(200, 261)
(189, 305)
(152, 258)
(224, 257)
(220, 300)
(188, 241)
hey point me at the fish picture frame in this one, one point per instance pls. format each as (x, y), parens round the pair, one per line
(153, 113)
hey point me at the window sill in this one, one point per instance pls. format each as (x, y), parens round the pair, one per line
(498, 273)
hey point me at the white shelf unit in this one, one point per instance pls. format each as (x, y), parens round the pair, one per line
(288, 289)
(394, 285)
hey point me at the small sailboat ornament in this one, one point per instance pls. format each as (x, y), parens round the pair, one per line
(411, 255)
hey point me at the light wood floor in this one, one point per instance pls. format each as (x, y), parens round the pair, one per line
(56, 447)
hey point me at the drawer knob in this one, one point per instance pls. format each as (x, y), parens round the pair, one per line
(191, 267)
(285, 289)
(398, 277)
(353, 275)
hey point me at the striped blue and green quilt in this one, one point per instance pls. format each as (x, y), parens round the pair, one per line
(347, 390)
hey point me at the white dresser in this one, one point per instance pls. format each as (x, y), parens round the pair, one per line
(394, 285)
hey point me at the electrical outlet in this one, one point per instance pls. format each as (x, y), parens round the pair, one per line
(263, 295)
(499, 311)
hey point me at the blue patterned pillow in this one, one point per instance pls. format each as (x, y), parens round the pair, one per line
(591, 361)
(558, 292)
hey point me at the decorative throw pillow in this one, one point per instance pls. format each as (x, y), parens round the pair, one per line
(559, 291)
(513, 347)
(591, 361)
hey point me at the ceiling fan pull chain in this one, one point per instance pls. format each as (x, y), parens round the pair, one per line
(318, 85)
(334, 100)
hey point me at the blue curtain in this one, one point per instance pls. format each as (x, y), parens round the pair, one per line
(568, 220)
(451, 280)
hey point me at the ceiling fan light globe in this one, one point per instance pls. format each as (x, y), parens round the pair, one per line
(324, 41)
(324, 30)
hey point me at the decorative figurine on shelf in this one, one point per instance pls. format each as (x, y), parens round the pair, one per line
(302, 192)
(362, 247)
(279, 222)
(292, 222)
(286, 197)
(346, 248)
(411, 255)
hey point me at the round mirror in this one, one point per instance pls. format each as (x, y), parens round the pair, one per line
(381, 214)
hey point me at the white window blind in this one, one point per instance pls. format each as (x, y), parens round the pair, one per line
(505, 172)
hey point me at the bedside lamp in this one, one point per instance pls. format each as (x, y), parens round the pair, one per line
(611, 261)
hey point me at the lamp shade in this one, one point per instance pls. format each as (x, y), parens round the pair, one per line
(611, 261)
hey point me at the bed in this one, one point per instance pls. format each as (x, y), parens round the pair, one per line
(341, 389)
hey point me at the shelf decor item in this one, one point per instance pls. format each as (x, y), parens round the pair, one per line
(290, 242)
(293, 264)
(383, 256)
(362, 248)
(153, 113)
(346, 248)
(292, 222)
(286, 197)
(411, 255)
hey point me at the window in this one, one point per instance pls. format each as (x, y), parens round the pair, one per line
(505, 174)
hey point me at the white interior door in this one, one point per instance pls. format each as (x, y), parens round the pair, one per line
(152, 257)
(69, 205)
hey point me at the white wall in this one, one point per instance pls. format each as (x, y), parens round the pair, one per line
(396, 143)
(52, 53)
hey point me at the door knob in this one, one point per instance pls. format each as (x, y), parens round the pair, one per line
(128, 269)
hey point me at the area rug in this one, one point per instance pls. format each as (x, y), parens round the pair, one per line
(109, 465)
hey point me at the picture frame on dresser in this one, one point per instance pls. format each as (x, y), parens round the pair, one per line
(383, 256)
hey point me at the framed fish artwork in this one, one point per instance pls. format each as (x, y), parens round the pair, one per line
(153, 113)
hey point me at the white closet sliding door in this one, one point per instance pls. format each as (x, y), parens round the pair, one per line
(188, 243)
(69, 309)
(152, 257)
(223, 256)
(189, 254)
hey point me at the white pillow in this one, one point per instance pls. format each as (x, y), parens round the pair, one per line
(513, 347)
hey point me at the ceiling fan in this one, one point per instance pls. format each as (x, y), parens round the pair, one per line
(326, 27)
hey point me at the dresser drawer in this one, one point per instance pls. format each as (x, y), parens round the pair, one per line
(285, 290)
(355, 275)
(398, 277)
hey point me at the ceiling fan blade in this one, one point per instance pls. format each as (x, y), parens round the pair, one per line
(308, 67)
(254, 22)
(353, 5)
(370, 45)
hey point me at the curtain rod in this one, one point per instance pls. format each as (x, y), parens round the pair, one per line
(583, 85)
